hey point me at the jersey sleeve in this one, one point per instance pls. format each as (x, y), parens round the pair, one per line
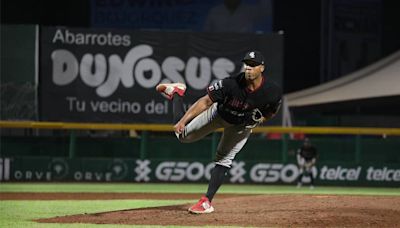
(218, 91)
(273, 106)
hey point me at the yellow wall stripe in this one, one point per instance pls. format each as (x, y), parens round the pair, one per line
(168, 127)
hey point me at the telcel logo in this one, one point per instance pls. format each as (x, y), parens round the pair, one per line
(339, 173)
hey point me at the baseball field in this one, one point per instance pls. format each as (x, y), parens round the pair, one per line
(165, 205)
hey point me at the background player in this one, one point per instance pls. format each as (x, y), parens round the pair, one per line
(306, 159)
(237, 104)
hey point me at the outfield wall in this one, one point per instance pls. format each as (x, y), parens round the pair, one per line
(351, 149)
(164, 159)
(155, 170)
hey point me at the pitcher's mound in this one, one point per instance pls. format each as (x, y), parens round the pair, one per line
(261, 211)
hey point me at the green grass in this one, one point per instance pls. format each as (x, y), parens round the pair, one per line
(18, 213)
(191, 188)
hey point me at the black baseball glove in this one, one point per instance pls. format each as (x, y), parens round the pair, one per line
(254, 119)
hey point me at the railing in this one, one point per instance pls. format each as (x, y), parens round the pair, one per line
(168, 127)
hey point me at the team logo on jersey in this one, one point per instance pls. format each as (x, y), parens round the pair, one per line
(237, 103)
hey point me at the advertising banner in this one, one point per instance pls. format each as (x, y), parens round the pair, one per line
(106, 75)
(131, 170)
(150, 14)
(188, 15)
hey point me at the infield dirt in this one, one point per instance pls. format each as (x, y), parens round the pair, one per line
(238, 210)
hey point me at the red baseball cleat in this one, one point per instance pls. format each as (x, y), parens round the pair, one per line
(202, 207)
(169, 89)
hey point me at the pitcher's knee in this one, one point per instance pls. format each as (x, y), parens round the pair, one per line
(226, 163)
(223, 160)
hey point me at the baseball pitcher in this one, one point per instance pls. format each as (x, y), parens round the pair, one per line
(237, 104)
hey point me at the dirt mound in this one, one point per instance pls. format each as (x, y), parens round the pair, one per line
(261, 211)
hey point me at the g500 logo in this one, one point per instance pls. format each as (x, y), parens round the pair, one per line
(178, 171)
(269, 173)
(197, 71)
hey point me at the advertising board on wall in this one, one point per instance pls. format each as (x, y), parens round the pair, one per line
(108, 75)
(131, 170)
(188, 15)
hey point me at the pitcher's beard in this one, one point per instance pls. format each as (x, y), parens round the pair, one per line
(249, 76)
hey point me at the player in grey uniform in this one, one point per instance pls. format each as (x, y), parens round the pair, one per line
(237, 104)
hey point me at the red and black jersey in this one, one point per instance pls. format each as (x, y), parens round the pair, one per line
(236, 103)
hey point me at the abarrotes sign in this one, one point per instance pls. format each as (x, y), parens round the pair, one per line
(108, 75)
